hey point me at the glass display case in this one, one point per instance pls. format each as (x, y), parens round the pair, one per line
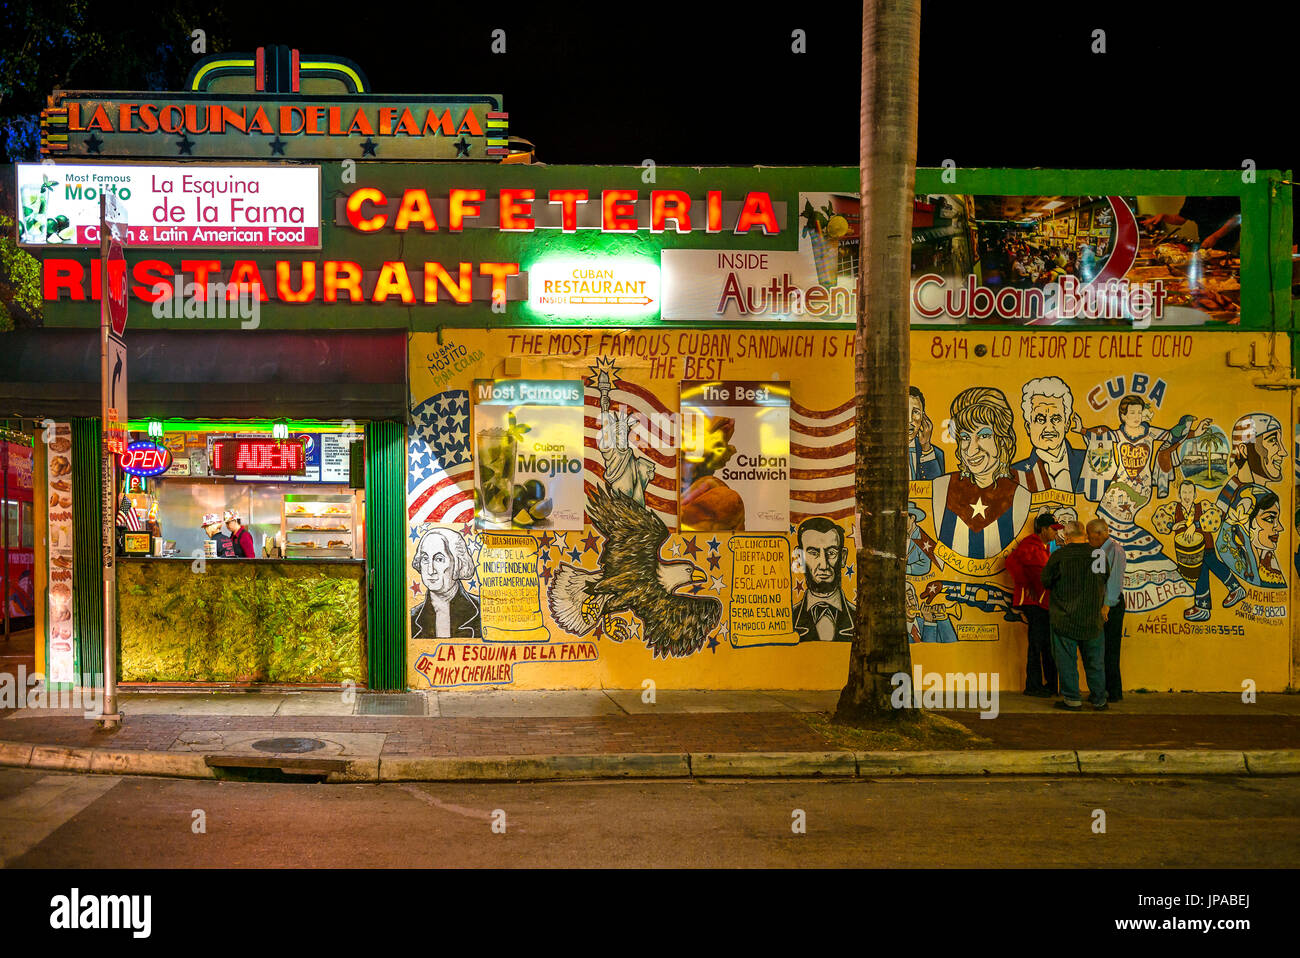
(318, 526)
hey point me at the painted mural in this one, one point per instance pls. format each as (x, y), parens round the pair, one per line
(1151, 431)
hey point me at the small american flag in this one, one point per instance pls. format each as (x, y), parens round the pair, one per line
(126, 517)
(440, 469)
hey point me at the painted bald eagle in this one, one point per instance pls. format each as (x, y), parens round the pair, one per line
(633, 578)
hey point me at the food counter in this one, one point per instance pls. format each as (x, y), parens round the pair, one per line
(242, 621)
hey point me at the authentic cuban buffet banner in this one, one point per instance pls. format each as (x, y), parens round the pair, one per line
(429, 246)
(680, 572)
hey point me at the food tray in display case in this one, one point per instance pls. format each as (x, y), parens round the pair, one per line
(318, 526)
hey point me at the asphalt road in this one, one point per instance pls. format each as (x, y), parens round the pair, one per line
(71, 821)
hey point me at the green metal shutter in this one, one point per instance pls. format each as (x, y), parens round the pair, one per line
(88, 558)
(386, 552)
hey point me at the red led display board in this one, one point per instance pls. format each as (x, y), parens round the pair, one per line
(258, 457)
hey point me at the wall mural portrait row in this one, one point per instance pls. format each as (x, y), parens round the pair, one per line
(1149, 431)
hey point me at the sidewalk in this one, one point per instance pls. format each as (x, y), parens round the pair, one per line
(614, 733)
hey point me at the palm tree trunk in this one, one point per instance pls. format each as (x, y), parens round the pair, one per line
(890, 43)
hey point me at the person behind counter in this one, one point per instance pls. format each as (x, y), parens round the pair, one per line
(212, 526)
(240, 537)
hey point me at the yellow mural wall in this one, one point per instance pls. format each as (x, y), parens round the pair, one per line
(1187, 460)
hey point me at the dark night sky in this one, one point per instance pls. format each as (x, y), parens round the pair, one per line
(1182, 85)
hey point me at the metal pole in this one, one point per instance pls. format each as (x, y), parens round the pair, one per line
(110, 719)
(4, 483)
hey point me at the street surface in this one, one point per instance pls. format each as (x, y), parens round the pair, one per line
(61, 820)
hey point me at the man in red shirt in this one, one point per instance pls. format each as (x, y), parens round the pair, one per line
(240, 537)
(1025, 563)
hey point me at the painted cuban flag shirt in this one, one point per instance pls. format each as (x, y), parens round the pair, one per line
(979, 522)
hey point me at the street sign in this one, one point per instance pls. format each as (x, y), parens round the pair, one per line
(117, 283)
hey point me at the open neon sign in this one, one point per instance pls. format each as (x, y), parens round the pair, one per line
(258, 457)
(144, 459)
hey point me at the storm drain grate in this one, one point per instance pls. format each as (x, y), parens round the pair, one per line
(380, 703)
(288, 746)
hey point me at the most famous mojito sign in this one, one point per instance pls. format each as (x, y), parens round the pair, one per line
(248, 207)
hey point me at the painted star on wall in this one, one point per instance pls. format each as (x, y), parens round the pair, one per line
(718, 584)
(713, 544)
(692, 549)
(713, 561)
(590, 543)
(93, 143)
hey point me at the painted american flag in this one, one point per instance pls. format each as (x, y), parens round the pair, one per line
(439, 467)
(821, 462)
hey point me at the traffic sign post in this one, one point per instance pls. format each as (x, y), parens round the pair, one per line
(113, 415)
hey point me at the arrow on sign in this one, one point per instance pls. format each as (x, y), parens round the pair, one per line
(612, 300)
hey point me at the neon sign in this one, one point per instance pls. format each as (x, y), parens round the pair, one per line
(258, 457)
(145, 459)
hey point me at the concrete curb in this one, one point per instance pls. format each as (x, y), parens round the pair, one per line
(992, 762)
(774, 764)
(1186, 761)
(631, 765)
(496, 768)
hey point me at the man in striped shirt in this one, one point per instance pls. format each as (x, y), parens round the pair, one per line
(1077, 582)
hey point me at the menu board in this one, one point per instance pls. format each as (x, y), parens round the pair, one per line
(61, 660)
(529, 454)
(734, 456)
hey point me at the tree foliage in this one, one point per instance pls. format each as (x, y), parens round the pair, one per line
(76, 44)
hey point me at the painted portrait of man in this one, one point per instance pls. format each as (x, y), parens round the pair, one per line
(1047, 406)
(924, 459)
(823, 613)
(443, 563)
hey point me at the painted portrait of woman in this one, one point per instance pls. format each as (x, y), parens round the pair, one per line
(981, 507)
(1249, 537)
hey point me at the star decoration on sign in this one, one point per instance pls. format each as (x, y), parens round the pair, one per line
(415, 535)
(633, 628)
(368, 147)
(932, 590)
(545, 574)
(93, 143)
(467, 528)
(277, 146)
(545, 541)
(722, 629)
(849, 571)
(713, 643)
(798, 585)
(692, 549)
(185, 145)
(462, 147)
(978, 509)
(718, 585)
(676, 550)
(713, 544)
(415, 588)
(575, 555)
(713, 561)
(590, 543)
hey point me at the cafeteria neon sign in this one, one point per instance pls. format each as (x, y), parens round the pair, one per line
(145, 459)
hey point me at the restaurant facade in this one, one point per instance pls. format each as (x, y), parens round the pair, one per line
(491, 423)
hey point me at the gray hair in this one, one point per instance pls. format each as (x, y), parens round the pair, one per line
(1053, 387)
(1098, 525)
(1073, 529)
(462, 567)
